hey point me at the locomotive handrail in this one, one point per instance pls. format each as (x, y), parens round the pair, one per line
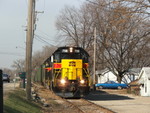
(86, 71)
(57, 72)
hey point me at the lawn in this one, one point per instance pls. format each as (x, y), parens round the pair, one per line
(16, 102)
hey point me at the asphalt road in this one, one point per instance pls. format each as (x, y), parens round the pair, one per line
(120, 103)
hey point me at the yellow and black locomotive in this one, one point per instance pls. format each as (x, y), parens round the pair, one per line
(66, 72)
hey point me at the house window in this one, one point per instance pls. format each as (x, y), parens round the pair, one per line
(145, 89)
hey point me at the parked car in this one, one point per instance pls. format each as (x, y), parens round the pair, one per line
(6, 78)
(111, 85)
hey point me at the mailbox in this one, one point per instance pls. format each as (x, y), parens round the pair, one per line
(22, 75)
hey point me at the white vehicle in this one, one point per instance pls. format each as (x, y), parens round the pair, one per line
(6, 78)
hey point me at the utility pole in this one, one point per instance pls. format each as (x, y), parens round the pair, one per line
(94, 59)
(29, 42)
(1, 91)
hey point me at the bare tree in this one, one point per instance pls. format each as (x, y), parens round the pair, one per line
(122, 32)
(19, 65)
(122, 35)
(9, 72)
(40, 56)
(75, 25)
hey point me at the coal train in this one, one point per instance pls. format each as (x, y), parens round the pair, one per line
(66, 72)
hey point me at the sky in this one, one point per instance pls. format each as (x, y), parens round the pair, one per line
(13, 21)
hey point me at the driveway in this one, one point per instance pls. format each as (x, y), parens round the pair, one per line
(120, 103)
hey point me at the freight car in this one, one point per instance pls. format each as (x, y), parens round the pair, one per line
(66, 73)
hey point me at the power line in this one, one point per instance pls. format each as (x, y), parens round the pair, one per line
(45, 35)
(39, 38)
(46, 38)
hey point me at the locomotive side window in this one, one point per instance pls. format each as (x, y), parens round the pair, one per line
(57, 57)
(84, 57)
(52, 58)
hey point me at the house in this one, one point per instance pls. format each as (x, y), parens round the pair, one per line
(144, 81)
(131, 75)
(106, 75)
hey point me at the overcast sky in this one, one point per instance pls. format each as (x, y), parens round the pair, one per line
(13, 19)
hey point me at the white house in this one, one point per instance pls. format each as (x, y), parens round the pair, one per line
(144, 80)
(106, 75)
(131, 75)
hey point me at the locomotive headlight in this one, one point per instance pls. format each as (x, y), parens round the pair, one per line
(71, 49)
(62, 81)
(82, 81)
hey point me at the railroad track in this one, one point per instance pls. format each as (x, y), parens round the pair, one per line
(69, 105)
(85, 106)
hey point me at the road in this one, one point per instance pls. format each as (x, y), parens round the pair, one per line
(120, 103)
(7, 87)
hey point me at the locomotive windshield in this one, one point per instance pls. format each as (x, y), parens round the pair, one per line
(71, 53)
(70, 56)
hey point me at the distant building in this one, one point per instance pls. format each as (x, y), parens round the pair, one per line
(131, 75)
(106, 75)
(144, 81)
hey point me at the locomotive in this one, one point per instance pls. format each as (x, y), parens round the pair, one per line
(66, 72)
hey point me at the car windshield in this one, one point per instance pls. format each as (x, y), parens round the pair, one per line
(110, 82)
(5, 75)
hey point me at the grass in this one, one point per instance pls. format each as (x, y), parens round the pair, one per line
(16, 102)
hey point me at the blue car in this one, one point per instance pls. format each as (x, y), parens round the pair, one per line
(111, 85)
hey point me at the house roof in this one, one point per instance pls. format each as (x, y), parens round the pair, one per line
(102, 71)
(134, 70)
(145, 70)
(133, 83)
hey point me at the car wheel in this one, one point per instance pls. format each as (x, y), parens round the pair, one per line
(100, 87)
(119, 87)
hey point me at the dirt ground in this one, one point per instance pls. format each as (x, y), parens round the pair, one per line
(55, 103)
